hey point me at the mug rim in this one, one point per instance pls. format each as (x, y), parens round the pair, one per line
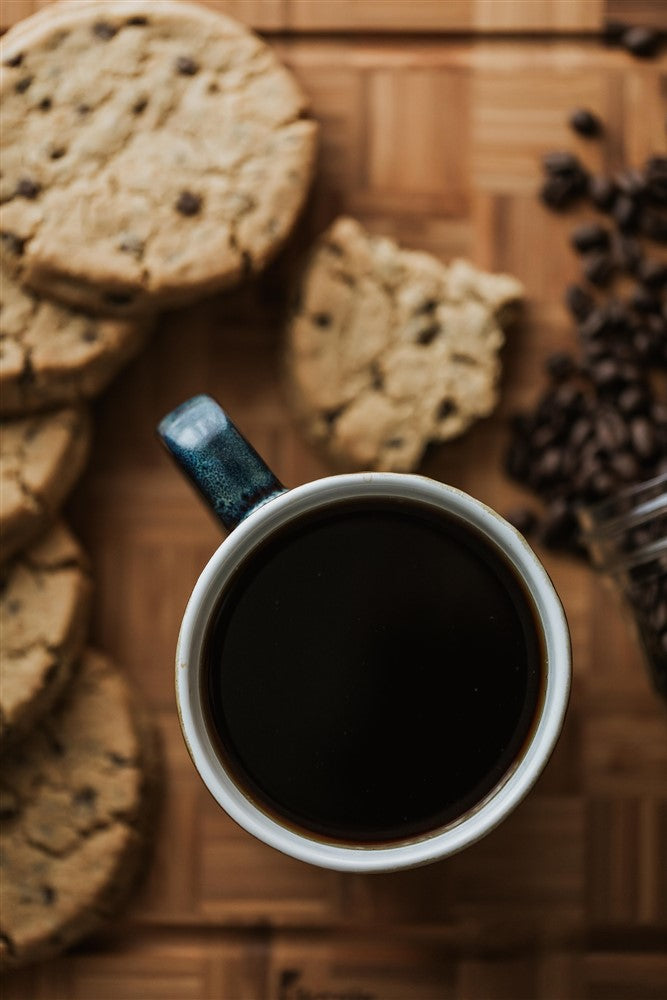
(521, 775)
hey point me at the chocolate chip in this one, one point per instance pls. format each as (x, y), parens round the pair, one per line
(58, 152)
(118, 298)
(12, 243)
(585, 122)
(579, 302)
(83, 109)
(598, 268)
(45, 104)
(602, 191)
(641, 42)
(13, 61)
(322, 319)
(522, 518)
(590, 236)
(427, 306)
(188, 203)
(48, 894)
(428, 334)
(377, 378)
(186, 66)
(23, 84)
(625, 213)
(446, 408)
(131, 244)
(396, 442)
(104, 30)
(27, 188)
(140, 106)
(84, 796)
(137, 21)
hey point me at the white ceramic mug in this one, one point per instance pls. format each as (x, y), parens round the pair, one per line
(252, 505)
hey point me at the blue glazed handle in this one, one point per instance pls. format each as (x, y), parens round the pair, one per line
(221, 464)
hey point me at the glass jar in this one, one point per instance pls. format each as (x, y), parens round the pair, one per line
(626, 538)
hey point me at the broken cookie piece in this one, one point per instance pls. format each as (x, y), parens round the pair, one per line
(390, 349)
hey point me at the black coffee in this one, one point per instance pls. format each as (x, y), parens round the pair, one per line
(372, 671)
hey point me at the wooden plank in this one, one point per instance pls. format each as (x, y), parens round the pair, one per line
(451, 15)
(394, 16)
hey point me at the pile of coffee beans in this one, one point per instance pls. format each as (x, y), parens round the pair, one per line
(601, 423)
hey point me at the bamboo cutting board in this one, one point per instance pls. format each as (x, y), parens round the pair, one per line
(434, 139)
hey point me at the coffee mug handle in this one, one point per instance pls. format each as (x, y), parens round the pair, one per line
(222, 465)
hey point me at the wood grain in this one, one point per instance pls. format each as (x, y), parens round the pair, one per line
(436, 142)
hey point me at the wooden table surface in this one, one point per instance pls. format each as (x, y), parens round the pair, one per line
(433, 137)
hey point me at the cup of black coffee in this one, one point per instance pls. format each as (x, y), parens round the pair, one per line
(373, 668)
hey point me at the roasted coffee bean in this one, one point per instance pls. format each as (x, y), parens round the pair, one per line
(517, 462)
(585, 122)
(628, 253)
(654, 226)
(625, 466)
(522, 518)
(653, 274)
(643, 438)
(580, 431)
(607, 374)
(613, 31)
(602, 191)
(611, 432)
(643, 301)
(598, 268)
(560, 365)
(595, 325)
(656, 180)
(590, 236)
(634, 399)
(631, 182)
(579, 302)
(562, 162)
(641, 42)
(625, 213)
(559, 193)
(558, 524)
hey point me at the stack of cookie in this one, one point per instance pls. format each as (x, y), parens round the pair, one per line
(153, 152)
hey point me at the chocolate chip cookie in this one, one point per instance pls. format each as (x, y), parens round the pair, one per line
(389, 349)
(44, 610)
(75, 798)
(51, 354)
(153, 151)
(41, 457)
